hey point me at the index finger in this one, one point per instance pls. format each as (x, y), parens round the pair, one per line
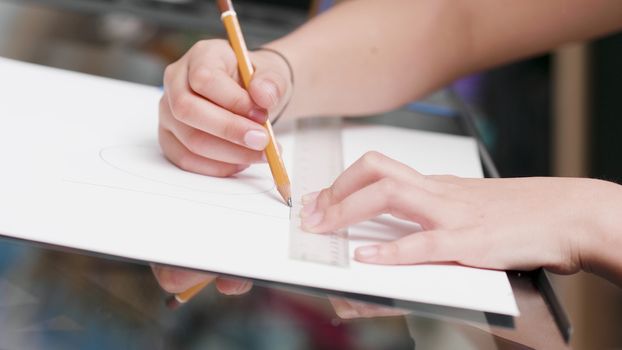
(211, 76)
(370, 168)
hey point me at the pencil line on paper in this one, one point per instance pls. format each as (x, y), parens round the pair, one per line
(78, 182)
(111, 164)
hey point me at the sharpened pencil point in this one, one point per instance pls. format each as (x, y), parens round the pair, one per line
(289, 202)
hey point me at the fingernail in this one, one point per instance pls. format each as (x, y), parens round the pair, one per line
(312, 221)
(367, 252)
(308, 209)
(308, 198)
(271, 90)
(255, 139)
(258, 114)
(242, 287)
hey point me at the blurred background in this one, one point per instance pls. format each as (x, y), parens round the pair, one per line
(558, 114)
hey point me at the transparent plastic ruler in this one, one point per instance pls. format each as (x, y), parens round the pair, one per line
(318, 161)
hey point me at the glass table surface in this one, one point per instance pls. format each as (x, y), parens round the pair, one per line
(53, 298)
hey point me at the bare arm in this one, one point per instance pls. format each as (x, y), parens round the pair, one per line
(366, 56)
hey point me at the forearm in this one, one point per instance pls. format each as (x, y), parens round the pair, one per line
(361, 56)
(366, 56)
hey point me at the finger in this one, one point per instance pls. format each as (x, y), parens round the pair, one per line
(219, 87)
(421, 247)
(372, 310)
(230, 286)
(206, 145)
(199, 113)
(343, 309)
(310, 197)
(212, 147)
(179, 155)
(267, 88)
(368, 169)
(309, 204)
(175, 280)
(384, 196)
(218, 52)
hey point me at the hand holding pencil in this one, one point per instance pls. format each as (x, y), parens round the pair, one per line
(245, 67)
(209, 123)
(214, 121)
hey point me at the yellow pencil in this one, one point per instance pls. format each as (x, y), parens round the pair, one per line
(236, 40)
(279, 173)
(176, 300)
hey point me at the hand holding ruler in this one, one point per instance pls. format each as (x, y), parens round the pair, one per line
(318, 161)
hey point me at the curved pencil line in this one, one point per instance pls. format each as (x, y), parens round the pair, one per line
(101, 156)
(175, 197)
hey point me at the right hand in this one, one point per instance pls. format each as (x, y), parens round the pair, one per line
(178, 280)
(209, 124)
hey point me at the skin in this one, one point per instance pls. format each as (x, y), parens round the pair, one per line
(373, 50)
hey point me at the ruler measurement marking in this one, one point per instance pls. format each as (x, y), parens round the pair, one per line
(318, 161)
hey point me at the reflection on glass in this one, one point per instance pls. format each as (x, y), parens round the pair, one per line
(60, 300)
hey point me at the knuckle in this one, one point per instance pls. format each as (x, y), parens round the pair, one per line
(201, 45)
(168, 73)
(373, 157)
(194, 142)
(391, 251)
(325, 198)
(210, 46)
(185, 162)
(238, 102)
(182, 106)
(372, 162)
(231, 131)
(202, 77)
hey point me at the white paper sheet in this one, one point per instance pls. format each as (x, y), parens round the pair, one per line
(81, 168)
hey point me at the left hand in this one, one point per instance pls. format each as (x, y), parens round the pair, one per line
(522, 223)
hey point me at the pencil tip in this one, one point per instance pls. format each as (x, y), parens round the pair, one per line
(289, 201)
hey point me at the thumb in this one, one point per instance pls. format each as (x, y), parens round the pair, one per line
(267, 89)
